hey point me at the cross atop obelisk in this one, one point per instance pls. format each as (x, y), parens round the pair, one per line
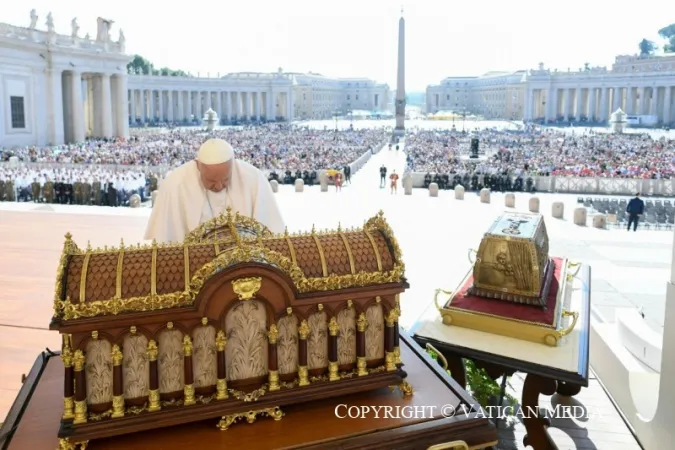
(399, 130)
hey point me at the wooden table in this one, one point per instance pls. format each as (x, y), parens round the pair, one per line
(562, 370)
(33, 421)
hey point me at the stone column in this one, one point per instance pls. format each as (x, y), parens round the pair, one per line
(653, 103)
(228, 105)
(549, 105)
(630, 100)
(160, 105)
(55, 129)
(271, 105)
(77, 104)
(153, 105)
(579, 104)
(616, 99)
(592, 105)
(143, 105)
(181, 106)
(603, 104)
(642, 105)
(219, 102)
(666, 104)
(258, 105)
(170, 113)
(121, 95)
(290, 113)
(132, 106)
(567, 108)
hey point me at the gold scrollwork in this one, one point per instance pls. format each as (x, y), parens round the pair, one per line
(67, 444)
(246, 250)
(405, 388)
(250, 416)
(246, 288)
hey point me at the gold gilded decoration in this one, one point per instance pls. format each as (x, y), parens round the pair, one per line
(246, 288)
(322, 255)
(117, 406)
(118, 277)
(208, 231)
(378, 299)
(350, 304)
(289, 311)
(78, 361)
(246, 250)
(303, 376)
(361, 366)
(319, 307)
(273, 334)
(205, 321)
(221, 340)
(333, 327)
(94, 335)
(66, 352)
(397, 356)
(153, 400)
(83, 278)
(405, 388)
(362, 323)
(303, 330)
(68, 406)
(216, 248)
(248, 397)
(186, 264)
(376, 251)
(80, 412)
(189, 395)
(187, 345)
(350, 255)
(457, 445)
(116, 355)
(152, 350)
(274, 380)
(221, 389)
(389, 361)
(392, 317)
(132, 329)
(333, 373)
(153, 272)
(169, 325)
(250, 416)
(66, 444)
(291, 249)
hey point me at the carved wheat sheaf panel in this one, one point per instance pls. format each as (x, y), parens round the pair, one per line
(287, 345)
(170, 361)
(375, 332)
(204, 362)
(99, 372)
(346, 319)
(317, 341)
(246, 349)
(135, 368)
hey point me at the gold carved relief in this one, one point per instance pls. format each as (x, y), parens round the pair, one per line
(135, 370)
(317, 341)
(346, 320)
(99, 371)
(170, 361)
(246, 349)
(246, 288)
(287, 345)
(204, 358)
(375, 332)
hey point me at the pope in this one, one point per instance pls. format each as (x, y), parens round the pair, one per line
(204, 188)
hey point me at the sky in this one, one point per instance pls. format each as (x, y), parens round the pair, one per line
(358, 38)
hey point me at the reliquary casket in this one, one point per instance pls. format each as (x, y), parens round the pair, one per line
(234, 322)
(512, 261)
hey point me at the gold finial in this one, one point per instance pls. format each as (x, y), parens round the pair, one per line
(286, 232)
(152, 350)
(260, 241)
(350, 304)
(313, 230)
(154, 243)
(362, 322)
(273, 334)
(205, 321)
(319, 307)
(187, 345)
(221, 340)
(121, 243)
(303, 330)
(132, 330)
(289, 311)
(116, 355)
(169, 326)
(333, 326)
(105, 248)
(339, 230)
(88, 246)
(68, 236)
(94, 335)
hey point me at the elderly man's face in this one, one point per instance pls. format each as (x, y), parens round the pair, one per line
(215, 177)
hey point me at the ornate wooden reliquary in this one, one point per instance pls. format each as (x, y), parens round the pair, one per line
(512, 261)
(234, 322)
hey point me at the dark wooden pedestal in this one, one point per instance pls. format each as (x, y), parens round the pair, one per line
(412, 422)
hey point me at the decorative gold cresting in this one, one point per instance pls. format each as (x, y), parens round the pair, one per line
(350, 255)
(322, 255)
(118, 277)
(153, 270)
(246, 288)
(378, 258)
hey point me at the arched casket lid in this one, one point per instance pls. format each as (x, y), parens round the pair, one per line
(128, 279)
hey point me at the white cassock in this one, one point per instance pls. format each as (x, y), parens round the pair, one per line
(183, 204)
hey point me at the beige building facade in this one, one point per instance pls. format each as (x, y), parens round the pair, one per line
(641, 86)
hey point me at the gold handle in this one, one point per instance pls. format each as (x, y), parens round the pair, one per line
(575, 317)
(439, 355)
(438, 291)
(469, 256)
(454, 445)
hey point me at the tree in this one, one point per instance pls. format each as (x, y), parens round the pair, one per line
(647, 47)
(668, 33)
(140, 65)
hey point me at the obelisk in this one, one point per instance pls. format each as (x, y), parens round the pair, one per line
(399, 130)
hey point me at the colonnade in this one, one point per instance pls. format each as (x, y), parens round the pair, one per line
(598, 103)
(163, 105)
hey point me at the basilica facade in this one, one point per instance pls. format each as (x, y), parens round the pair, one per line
(641, 86)
(60, 87)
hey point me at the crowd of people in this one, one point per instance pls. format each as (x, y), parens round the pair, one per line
(109, 172)
(541, 152)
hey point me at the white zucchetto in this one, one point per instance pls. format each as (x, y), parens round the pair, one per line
(215, 151)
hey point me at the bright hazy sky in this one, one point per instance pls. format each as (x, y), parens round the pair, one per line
(359, 37)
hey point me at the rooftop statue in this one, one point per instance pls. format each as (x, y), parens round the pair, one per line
(50, 23)
(33, 19)
(74, 27)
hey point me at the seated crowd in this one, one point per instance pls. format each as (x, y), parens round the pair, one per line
(509, 159)
(100, 171)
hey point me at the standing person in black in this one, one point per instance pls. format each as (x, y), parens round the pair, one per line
(383, 175)
(112, 194)
(348, 174)
(635, 209)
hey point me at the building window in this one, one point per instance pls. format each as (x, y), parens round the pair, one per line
(357, 96)
(347, 96)
(18, 113)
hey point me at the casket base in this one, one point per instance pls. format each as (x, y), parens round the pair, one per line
(241, 405)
